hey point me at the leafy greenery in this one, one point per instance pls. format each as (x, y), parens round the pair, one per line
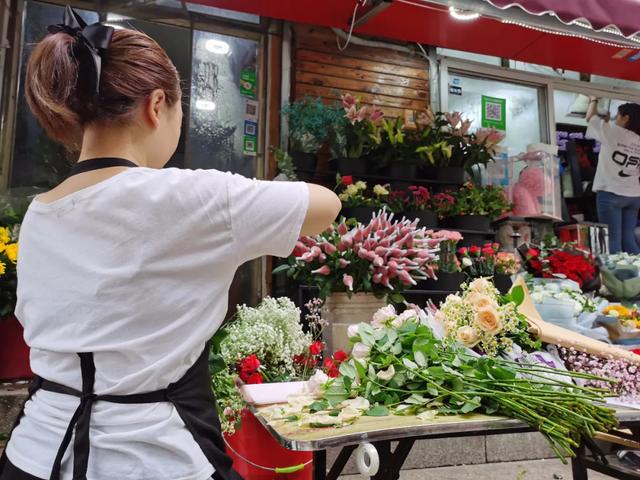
(471, 199)
(285, 164)
(408, 371)
(310, 123)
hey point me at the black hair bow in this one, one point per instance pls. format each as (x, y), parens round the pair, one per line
(95, 38)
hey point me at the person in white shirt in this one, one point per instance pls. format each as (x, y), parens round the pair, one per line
(617, 179)
(125, 267)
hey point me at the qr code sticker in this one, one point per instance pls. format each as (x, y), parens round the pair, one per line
(493, 111)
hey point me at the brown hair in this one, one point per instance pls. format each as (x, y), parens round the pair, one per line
(61, 96)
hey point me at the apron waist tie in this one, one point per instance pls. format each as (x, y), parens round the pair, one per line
(81, 419)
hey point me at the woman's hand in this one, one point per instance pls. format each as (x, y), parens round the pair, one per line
(592, 111)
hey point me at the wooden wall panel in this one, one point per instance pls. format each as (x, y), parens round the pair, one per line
(393, 80)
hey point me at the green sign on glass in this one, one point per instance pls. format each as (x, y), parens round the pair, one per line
(494, 113)
(248, 83)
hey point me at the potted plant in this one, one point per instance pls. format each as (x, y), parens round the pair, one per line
(14, 353)
(352, 135)
(355, 267)
(449, 275)
(488, 261)
(418, 205)
(442, 205)
(309, 122)
(357, 202)
(476, 206)
(395, 149)
(448, 148)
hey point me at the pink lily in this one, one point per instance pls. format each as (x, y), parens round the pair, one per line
(329, 248)
(323, 270)
(348, 281)
(342, 263)
(348, 101)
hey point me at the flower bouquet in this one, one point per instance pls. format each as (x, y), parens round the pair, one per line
(621, 275)
(560, 261)
(488, 261)
(384, 257)
(401, 365)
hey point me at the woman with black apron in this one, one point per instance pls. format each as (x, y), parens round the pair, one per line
(124, 269)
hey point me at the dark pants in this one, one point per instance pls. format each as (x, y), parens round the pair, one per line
(620, 213)
(11, 472)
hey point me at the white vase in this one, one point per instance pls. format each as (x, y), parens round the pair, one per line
(342, 311)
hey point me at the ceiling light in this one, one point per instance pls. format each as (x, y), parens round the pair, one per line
(219, 47)
(205, 105)
(463, 15)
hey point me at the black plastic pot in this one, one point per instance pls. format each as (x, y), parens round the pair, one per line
(402, 170)
(351, 166)
(362, 214)
(452, 175)
(479, 223)
(502, 282)
(446, 282)
(305, 165)
(427, 218)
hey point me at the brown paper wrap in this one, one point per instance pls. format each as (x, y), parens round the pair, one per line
(555, 335)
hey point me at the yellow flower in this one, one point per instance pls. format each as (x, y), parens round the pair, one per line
(5, 236)
(380, 190)
(488, 320)
(344, 197)
(617, 311)
(11, 250)
(3, 268)
(360, 185)
(352, 190)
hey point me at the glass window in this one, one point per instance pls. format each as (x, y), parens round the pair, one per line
(523, 108)
(544, 70)
(224, 108)
(615, 82)
(37, 161)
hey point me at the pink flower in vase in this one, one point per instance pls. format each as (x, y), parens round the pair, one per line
(453, 118)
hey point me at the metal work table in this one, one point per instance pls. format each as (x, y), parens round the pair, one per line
(381, 431)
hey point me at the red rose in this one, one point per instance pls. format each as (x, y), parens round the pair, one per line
(250, 364)
(340, 356)
(244, 376)
(475, 251)
(533, 253)
(464, 251)
(255, 378)
(328, 363)
(347, 180)
(496, 246)
(331, 368)
(316, 347)
(488, 251)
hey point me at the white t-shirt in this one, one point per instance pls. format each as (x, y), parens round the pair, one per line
(619, 160)
(136, 269)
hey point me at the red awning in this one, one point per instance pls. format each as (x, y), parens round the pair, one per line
(621, 14)
(431, 24)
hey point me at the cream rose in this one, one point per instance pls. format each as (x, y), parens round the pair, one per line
(480, 300)
(488, 320)
(404, 317)
(467, 336)
(352, 331)
(480, 285)
(360, 351)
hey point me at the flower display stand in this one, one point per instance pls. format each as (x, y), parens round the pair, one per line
(14, 352)
(252, 447)
(341, 311)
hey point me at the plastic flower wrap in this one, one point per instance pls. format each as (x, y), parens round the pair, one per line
(386, 256)
(559, 261)
(480, 318)
(621, 275)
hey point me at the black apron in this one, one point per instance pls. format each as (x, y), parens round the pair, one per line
(192, 396)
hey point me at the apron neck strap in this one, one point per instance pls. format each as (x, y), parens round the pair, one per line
(99, 163)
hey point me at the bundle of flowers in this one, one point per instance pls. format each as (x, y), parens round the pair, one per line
(260, 345)
(564, 261)
(442, 204)
(479, 261)
(616, 375)
(629, 316)
(447, 260)
(355, 194)
(564, 291)
(400, 365)
(481, 318)
(414, 199)
(621, 260)
(386, 256)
